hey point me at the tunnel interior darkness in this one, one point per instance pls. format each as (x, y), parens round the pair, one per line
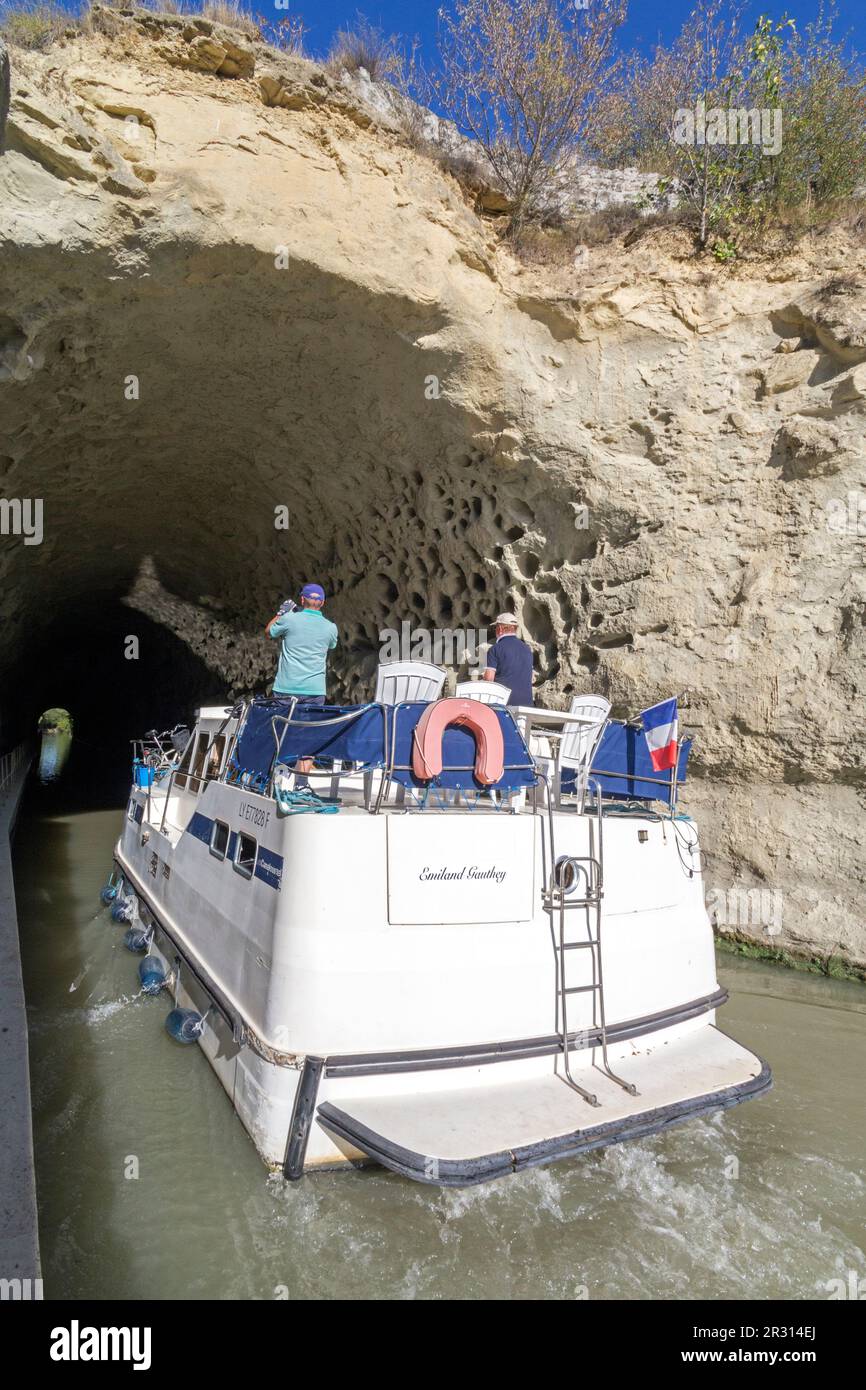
(111, 697)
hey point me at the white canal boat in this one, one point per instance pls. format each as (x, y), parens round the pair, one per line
(483, 946)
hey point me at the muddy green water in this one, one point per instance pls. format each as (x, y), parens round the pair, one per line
(659, 1218)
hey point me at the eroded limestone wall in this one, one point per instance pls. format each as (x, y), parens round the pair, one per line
(224, 294)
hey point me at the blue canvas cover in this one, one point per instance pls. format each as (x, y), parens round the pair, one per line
(332, 732)
(364, 735)
(458, 752)
(623, 767)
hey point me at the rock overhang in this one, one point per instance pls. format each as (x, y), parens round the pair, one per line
(313, 319)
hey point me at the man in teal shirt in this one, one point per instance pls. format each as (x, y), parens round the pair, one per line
(306, 636)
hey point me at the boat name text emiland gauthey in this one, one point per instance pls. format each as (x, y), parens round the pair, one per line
(465, 871)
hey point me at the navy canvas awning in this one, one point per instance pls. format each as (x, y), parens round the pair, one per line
(355, 734)
(367, 736)
(624, 770)
(458, 752)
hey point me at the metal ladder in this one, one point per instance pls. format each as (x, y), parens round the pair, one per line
(558, 904)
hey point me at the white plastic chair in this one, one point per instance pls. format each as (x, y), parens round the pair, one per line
(397, 681)
(488, 692)
(579, 741)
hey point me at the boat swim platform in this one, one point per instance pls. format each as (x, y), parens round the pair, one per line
(460, 1138)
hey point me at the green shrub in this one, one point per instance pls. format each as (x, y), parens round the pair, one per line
(809, 83)
(724, 250)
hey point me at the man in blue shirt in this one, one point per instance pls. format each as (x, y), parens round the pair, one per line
(306, 636)
(509, 661)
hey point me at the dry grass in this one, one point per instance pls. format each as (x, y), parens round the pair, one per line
(365, 46)
(460, 164)
(34, 24)
(557, 246)
(847, 214)
(288, 34)
(788, 228)
(471, 174)
(608, 224)
(469, 170)
(545, 246)
(233, 15)
(852, 221)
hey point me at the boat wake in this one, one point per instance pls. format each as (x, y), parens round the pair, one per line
(680, 1228)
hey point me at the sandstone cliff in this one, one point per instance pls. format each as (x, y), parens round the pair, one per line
(227, 285)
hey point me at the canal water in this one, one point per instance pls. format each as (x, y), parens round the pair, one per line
(149, 1188)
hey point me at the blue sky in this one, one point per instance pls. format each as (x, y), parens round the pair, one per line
(648, 19)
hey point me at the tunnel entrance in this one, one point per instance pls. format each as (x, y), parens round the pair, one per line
(79, 661)
(208, 436)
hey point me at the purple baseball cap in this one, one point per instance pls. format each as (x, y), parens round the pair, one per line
(313, 591)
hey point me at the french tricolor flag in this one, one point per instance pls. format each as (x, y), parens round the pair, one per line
(660, 731)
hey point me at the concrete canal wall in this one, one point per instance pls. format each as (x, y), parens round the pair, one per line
(19, 1234)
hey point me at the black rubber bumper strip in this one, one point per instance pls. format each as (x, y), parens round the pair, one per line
(302, 1118)
(481, 1054)
(464, 1172)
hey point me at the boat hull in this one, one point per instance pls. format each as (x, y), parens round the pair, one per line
(361, 972)
(363, 1107)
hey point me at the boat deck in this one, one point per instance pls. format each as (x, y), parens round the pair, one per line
(351, 799)
(460, 1138)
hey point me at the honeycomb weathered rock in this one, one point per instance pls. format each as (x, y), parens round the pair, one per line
(296, 312)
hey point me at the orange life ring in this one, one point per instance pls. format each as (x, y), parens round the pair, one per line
(482, 723)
